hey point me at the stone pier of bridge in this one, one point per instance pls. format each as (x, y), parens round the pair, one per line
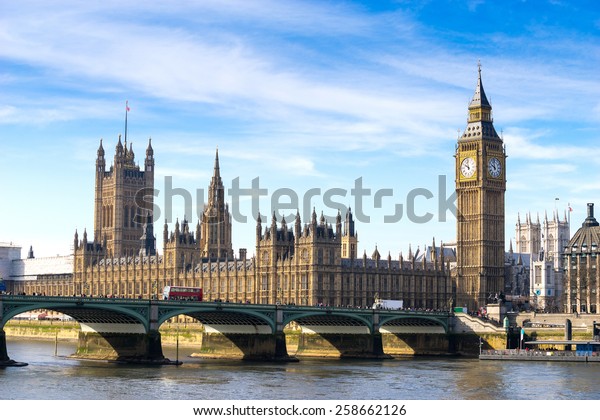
(123, 342)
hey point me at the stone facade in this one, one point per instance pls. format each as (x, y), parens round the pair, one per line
(480, 186)
(581, 261)
(541, 244)
(123, 198)
(297, 264)
(516, 285)
(300, 265)
(214, 229)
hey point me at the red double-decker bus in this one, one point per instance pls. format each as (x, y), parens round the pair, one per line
(182, 293)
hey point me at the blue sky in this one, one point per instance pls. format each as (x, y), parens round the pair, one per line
(302, 95)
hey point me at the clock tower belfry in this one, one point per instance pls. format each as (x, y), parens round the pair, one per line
(480, 186)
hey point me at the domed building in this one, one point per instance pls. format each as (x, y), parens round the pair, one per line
(581, 261)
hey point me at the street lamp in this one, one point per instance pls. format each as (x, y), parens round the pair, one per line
(506, 324)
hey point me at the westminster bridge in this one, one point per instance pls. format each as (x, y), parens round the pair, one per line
(127, 330)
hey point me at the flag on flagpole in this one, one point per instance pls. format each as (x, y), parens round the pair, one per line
(127, 106)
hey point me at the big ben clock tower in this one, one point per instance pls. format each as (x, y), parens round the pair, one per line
(480, 187)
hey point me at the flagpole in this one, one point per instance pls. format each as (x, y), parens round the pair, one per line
(126, 112)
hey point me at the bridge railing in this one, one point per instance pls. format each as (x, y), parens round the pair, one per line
(332, 309)
(70, 299)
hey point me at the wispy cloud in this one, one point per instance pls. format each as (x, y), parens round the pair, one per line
(303, 92)
(223, 68)
(216, 69)
(530, 145)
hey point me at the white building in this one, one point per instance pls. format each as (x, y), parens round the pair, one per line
(8, 253)
(543, 243)
(15, 268)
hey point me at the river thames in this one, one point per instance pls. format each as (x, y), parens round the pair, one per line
(56, 377)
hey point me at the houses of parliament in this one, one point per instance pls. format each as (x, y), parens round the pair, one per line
(303, 262)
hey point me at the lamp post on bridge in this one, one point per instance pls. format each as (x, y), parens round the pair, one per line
(506, 324)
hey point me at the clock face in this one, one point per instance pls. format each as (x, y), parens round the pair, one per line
(468, 167)
(494, 167)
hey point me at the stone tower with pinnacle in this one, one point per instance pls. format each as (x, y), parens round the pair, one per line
(480, 187)
(215, 223)
(123, 199)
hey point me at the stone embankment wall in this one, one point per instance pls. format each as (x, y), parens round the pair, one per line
(42, 330)
(541, 320)
(469, 334)
(186, 334)
(545, 327)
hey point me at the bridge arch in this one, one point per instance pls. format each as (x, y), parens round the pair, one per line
(84, 311)
(415, 320)
(248, 332)
(331, 318)
(110, 328)
(332, 332)
(216, 314)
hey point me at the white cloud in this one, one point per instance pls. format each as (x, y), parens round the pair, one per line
(531, 145)
(286, 88)
(180, 65)
(232, 71)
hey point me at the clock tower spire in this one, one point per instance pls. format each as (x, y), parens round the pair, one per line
(480, 187)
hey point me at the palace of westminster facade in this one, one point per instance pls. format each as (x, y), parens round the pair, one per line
(304, 262)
